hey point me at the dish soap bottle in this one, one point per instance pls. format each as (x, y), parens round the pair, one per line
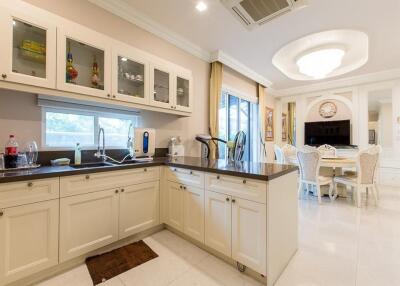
(78, 154)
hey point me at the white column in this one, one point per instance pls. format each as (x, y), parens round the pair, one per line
(362, 118)
(301, 108)
(396, 118)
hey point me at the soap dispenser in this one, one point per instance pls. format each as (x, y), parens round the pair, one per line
(78, 154)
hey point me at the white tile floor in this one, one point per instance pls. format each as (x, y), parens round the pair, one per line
(339, 245)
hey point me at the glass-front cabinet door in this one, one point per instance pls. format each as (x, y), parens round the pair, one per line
(83, 62)
(183, 92)
(130, 76)
(161, 87)
(28, 50)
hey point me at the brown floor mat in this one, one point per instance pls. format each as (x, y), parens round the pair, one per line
(108, 265)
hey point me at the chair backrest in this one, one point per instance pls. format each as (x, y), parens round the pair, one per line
(289, 150)
(309, 161)
(280, 157)
(327, 150)
(367, 163)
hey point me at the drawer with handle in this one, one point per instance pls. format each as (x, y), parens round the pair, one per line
(249, 189)
(27, 192)
(185, 176)
(87, 183)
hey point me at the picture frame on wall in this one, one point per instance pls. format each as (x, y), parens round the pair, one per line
(371, 136)
(269, 124)
(284, 127)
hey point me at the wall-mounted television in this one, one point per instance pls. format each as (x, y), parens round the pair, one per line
(327, 132)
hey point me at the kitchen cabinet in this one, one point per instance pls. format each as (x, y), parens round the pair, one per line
(161, 86)
(193, 212)
(183, 91)
(88, 222)
(130, 75)
(249, 235)
(218, 222)
(175, 205)
(139, 207)
(28, 239)
(28, 49)
(83, 61)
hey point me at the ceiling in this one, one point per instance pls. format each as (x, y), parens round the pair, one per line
(217, 29)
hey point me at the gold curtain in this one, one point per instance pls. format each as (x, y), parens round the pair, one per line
(215, 98)
(261, 122)
(291, 123)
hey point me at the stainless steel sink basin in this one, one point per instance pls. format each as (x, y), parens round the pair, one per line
(92, 165)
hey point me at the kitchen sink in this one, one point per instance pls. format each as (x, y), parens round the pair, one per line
(92, 165)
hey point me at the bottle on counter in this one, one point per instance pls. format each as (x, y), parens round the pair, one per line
(78, 154)
(11, 153)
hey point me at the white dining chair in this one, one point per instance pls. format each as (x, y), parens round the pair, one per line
(280, 157)
(327, 150)
(309, 164)
(365, 177)
(285, 152)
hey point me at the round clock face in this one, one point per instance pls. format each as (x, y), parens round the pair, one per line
(327, 109)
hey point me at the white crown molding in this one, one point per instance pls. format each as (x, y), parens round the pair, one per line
(126, 12)
(239, 67)
(359, 80)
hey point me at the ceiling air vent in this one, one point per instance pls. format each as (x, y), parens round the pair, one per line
(257, 12)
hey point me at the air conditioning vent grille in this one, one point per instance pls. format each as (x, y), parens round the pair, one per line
(241, 16)
(260, 9)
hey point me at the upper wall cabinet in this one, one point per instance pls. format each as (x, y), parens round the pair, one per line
(130, 75)
(28, 49)
(183, 91)
(83, 62)
(161, 86)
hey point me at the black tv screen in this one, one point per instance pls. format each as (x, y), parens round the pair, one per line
(327, 132)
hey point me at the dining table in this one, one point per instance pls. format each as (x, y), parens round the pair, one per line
(332, 166)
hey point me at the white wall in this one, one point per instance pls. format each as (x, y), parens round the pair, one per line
(25, 122)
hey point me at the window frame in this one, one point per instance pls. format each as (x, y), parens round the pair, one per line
(77, 111)
(252, 125)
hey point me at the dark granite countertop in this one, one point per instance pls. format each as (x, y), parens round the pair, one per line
(260, 171)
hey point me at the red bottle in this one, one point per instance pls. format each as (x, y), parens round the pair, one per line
(11, 146)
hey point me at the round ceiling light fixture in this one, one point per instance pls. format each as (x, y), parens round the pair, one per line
(319, 63)
(323, 55)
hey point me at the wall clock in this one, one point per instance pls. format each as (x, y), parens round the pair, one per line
(327, 109)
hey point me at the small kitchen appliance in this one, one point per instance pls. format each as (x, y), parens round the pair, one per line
(144, 142)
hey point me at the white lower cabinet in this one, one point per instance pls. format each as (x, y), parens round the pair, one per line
(139, 208)
(249, 234)
(193, 214)
(88, 222)
(218, 222)
(175, 205)
(28, 239)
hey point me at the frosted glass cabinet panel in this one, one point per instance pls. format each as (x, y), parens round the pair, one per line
(130, 75)
(28, 50)
(83, 62)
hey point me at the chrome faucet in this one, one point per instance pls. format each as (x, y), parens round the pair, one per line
(101, 154)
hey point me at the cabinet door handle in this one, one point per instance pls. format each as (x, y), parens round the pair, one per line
(113, 96)
(116, 191)
(30, 184)
(227, 199)
(1, 212)
(145, 169)
(180, 187)
(87, 177)
(172, 107)
(4, 76)
(184, 187)
(218, 177)
(175, 170)
(233, 201)
(244, 181)
(122, 190)
(191, 172)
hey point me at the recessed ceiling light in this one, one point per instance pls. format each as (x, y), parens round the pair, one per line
(201, 6)
(124, 59)
(318, 64)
